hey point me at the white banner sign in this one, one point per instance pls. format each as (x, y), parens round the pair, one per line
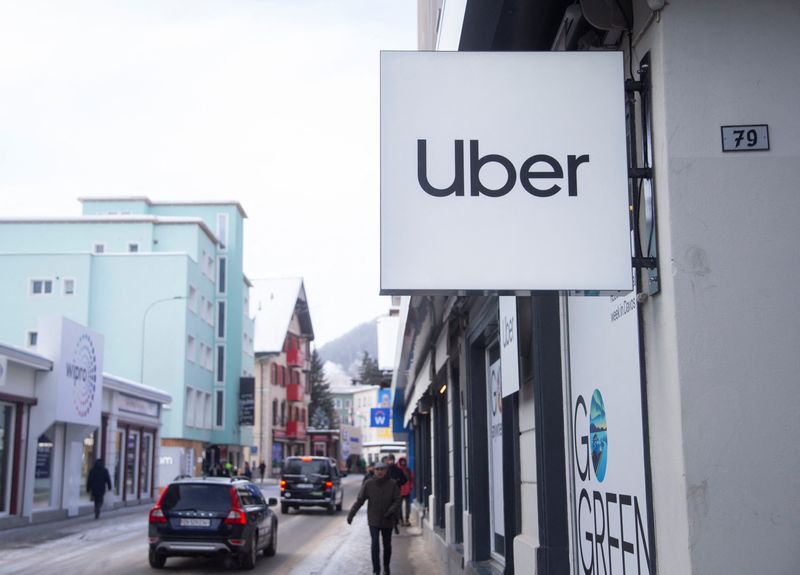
(503, 171)
(608, 458)
(509, 346)
(75, 386)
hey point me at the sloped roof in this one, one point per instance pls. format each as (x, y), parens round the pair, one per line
(272, 304)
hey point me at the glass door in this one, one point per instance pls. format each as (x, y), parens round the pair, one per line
(495, 415)
(6, 441)
(146, 465)
(131, 464)
(43, 476)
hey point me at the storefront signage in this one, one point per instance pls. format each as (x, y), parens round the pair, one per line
(130, 404)
(379, 417)
(510, 168)
(247, 413)
(610, 506)
(509, 347)
(73, 390)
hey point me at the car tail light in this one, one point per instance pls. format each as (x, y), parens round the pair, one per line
(156, 513)
(236, 515)
(328, 485)
(283, 484)
(236, 541)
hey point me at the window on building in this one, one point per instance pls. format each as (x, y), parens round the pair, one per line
(222, 230)
(222, 268)
(274, 370)
(220, 408)
(99, 248)
(337, 403)
(221, 319)
(190, 352)
(32, 338)
(207, 412)
(274, 412)
(42, 287)
(220, 364)
(189, 407)
(133, 248)
(283, 413)
(192, 299)
(209, 313)
(68, 285)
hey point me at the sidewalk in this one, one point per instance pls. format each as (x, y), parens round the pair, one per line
(350, 552)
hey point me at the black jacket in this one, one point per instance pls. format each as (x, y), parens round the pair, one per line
(384, 501)
(397, 474)
(98, 480)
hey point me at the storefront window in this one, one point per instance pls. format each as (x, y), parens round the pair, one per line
(495, 403)
(43, 478)
(147, 458)
(6, 441)
(131, 459)
(87, 461)
(117, 462)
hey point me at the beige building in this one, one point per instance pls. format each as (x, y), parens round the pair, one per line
(283, 334)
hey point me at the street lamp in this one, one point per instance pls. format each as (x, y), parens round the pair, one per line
(144, 322)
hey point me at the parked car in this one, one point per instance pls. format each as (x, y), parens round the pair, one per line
(212, 516)
(311, 482)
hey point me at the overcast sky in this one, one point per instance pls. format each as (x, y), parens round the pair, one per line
(273, 103)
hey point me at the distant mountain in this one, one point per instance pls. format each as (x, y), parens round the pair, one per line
(348, 349)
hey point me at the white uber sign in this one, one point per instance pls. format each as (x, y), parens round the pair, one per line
(503, 171)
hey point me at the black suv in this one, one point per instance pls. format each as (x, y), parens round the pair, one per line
(311, 482)
(212, 516)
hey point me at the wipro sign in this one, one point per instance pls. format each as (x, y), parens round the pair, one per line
(503, 172)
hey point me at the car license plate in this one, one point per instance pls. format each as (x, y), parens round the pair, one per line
(195, 522)
(304, 486)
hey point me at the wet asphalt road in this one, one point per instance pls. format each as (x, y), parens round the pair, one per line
(309, 542)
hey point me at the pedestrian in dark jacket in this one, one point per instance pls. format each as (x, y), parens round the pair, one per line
(96, 485)
(394, 472)
(383, 496)
(262, 467)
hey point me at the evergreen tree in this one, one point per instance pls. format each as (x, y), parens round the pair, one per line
(320, 409)
(369, 373)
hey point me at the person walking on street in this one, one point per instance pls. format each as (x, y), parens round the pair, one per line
(96, 485)
(383, 496)
(397, 474)
(262, 467)
(405, 492)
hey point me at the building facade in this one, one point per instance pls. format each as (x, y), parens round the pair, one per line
(652, 386)
(282, 355)
(58, 414)
(165, 289)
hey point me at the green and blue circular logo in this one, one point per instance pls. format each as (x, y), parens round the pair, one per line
(598, 434)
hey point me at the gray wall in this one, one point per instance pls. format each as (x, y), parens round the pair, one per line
(722, 338)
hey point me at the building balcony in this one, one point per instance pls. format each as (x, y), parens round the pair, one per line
(295, 392)
(295, 430)
(296, 358)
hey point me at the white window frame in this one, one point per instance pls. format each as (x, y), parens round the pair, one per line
(209, 313)
(131, 245)
(216, 363)
(192, 299)
(64, 282)
(190, 348)
(189, 406)
(219, 408)
(223, 223)
(208, 410)
(100, 245)
(222, 263)
(44, 282)
(221, 304)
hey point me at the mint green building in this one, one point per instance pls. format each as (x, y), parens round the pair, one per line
(164, 283)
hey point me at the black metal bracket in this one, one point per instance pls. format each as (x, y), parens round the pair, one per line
(641, 184)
